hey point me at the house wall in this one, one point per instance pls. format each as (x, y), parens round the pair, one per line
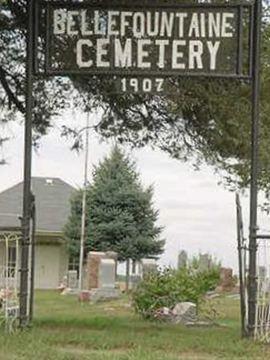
(51, 265)
(51, 262)
(64, 262)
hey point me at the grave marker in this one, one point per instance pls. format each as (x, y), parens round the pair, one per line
(182, 260)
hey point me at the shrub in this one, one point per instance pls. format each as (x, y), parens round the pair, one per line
(167, 287)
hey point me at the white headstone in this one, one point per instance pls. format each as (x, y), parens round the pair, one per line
(182, 260)
(107, 273)
(262, 272)
(205, 262)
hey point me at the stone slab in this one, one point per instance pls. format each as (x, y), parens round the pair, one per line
(102, 294)
(182, 260)
(106, 274)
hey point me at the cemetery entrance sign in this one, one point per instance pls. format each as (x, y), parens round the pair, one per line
(137, 46)
(143, 44)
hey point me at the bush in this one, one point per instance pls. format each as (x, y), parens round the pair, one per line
(167, 287)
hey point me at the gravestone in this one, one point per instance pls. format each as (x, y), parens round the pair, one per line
(205, 262)
(262, 272)
(148, 265)
(227, 282)
(101, 276)
(72, 279)
(107, 274)
(113, 255)
(134, 280)
(182, 260)
(93, 265)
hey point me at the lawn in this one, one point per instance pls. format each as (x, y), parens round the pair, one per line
(65, 329)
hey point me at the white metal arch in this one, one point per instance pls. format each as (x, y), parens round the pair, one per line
(9, 279)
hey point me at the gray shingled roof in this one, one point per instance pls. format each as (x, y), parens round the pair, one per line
(52, 204)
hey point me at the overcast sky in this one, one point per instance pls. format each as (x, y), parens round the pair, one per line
(198, 215)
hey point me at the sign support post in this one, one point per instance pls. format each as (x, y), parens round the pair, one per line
(33, 254)
(24, 291)
(252, 281)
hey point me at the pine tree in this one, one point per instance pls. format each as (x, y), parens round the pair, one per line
(120, 213)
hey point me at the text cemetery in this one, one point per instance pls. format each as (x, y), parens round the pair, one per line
(141, 40)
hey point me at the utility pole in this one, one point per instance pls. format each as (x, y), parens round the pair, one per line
(83, 221)
(26, 218)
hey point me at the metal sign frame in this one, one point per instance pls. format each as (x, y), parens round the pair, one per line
(32, 68)
(48, 6)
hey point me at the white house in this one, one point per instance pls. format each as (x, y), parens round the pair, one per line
(52, 197)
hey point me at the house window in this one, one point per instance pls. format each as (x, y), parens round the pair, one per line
(73, 264)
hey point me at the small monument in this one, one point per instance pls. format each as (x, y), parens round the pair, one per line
(262, 272)
(148, 265)
(227, 282)
(205, 262)
(106, 274)
(182, 260)
(101, 276)
(93, 265)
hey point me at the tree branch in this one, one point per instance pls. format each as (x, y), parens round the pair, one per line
(9, 92)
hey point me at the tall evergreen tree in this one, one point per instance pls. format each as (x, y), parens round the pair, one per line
(120, 214)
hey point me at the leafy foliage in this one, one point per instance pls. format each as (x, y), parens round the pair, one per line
(167, 287)
(120, 214)
(206, 121)
(50, 95)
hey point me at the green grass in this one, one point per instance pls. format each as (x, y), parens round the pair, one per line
(65, 329)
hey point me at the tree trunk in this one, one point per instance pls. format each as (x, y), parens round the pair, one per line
(127, 274)
(134, 262)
